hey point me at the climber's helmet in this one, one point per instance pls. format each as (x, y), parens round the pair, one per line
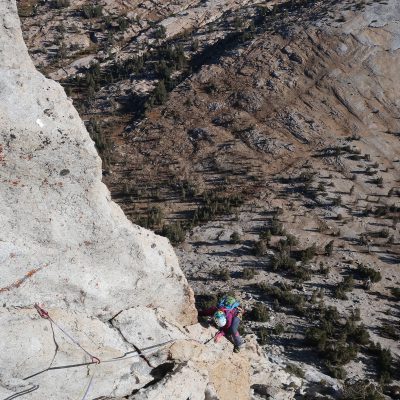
(220, 319)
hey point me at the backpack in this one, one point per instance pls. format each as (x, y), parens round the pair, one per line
(228, 302)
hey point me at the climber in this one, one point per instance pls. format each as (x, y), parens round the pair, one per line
(227, 316)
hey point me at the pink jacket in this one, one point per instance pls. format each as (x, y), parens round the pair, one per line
(230, 314)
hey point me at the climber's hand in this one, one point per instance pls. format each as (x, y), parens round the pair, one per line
(218, 337)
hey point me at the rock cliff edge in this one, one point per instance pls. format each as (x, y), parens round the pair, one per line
(65, 245)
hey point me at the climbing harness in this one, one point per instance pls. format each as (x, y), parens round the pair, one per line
(44, 314)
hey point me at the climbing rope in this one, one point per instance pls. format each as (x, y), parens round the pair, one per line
(44, 314)
(142, 353)
(145, 348)
(129, 354)
(88, 388)
(15, 395)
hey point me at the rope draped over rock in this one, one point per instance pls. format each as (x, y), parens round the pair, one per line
(88, 388)
(141, 353)
(15, 395)
(129, 354)
(44, 314)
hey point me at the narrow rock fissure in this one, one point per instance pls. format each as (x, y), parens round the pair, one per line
(115, 316)
(141, 355)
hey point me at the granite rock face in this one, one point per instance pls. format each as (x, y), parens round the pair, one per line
(115, 291)
(66, 245)
(64, 242)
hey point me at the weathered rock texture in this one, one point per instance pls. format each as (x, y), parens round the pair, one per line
(59, 224)
(113, 290)
(116, 288)
(66, 245)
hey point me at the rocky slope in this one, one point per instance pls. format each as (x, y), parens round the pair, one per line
(121, 320)
(279, 137)
(255, 112)
(302, 121)
(314, 113)
(113, 286)
(64, 244)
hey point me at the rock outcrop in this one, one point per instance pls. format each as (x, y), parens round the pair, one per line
(92, 306)
(115, 291)
(63, 241)
(66, 245)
